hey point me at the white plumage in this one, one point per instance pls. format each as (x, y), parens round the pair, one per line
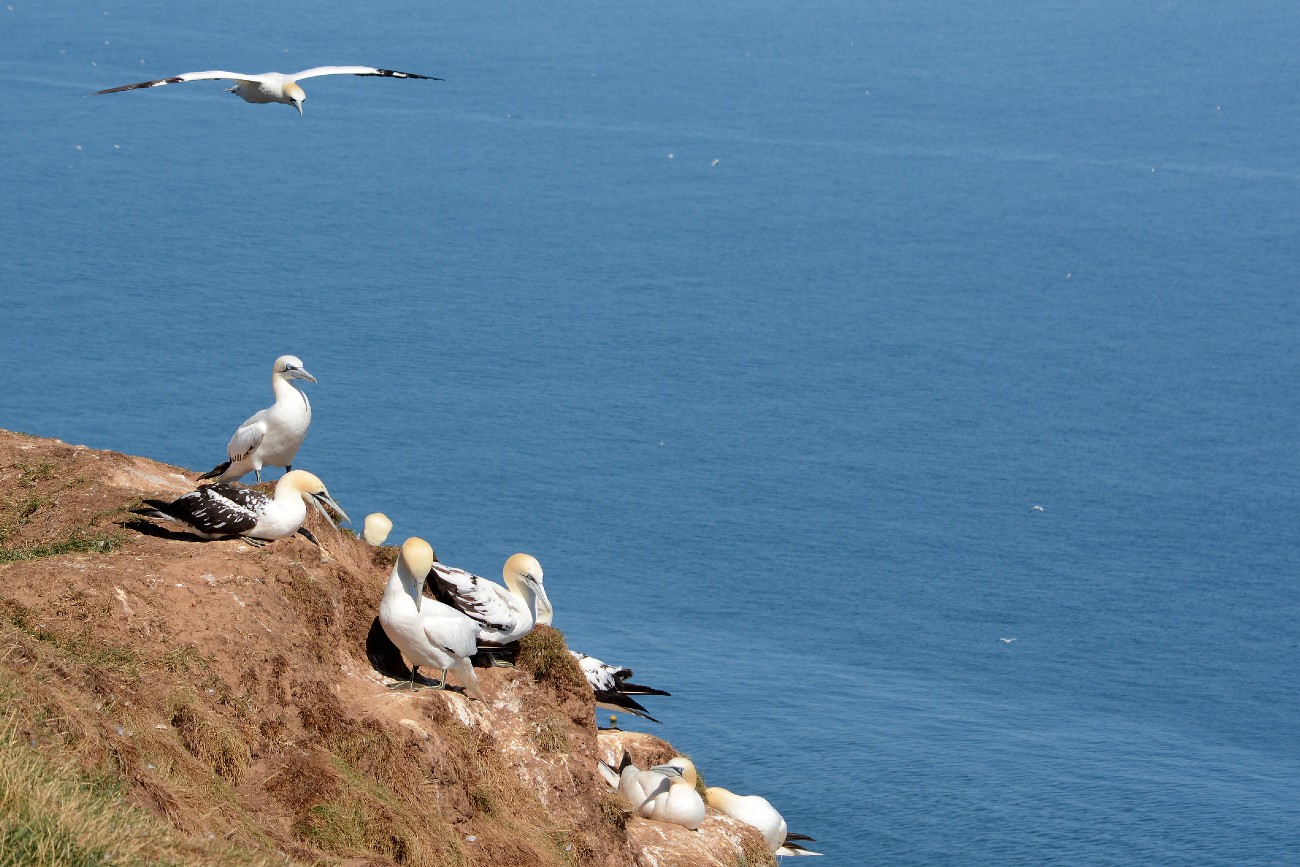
(664, 793)
(426, 631)
(268, 87)
(757, 811)
(506, 613)
(270, 437)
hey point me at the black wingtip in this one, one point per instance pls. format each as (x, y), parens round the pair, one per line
(638, 689)
(216, 471)
(624, 762)
(804, 837)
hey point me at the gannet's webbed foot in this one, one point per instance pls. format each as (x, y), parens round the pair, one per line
(497, 657)
(419, 681)
(256, 543)
(257, 474)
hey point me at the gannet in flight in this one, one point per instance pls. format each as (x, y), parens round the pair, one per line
(506, 615)
(756, 811)
(665, 793)
(376, 528)
(270, 437)
(609, 683)
(224, 511)
(269, 86)
(426, 631)
(1006, 640)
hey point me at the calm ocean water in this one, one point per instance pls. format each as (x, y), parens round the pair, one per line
(763, 325)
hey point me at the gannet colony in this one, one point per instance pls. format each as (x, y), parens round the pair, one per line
(467, 619)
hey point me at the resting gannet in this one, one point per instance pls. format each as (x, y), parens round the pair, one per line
(223, 511)
(664, 793)
(270, 437)
(426, 631)
(376, 528)
(610, 684)
(756, 811)
(268, 87)
(506, 615)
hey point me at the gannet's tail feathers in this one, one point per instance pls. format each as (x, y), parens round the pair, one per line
(216, 472)
(465, 674)
(638, 689)
(609, 774)
(154, 509)
(617, 701)
(790, 848)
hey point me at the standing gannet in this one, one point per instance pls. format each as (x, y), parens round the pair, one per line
(426, 631)
(376, 528)
(506, 615)
(271, 436)
(664, 793)
(269, 87)
(224, 511)
(756, 811)
(611, 687)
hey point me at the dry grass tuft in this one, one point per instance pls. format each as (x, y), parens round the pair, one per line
(221, 749)
(552, 734)
(544, 655)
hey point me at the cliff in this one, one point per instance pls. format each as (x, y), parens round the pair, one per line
(175, 701)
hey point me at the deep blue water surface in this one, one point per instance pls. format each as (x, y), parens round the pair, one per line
(774, 425)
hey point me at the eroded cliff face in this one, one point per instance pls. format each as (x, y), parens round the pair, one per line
(230, 694)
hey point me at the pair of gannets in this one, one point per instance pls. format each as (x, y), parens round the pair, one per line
(505, 614)
(223, 511)
(611, 687)
(269, 87)
(664, 793)
(272, 436)
(426, 631)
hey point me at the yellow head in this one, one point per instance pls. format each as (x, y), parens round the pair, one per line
(417, 557)
(294, 95)
(376, 528)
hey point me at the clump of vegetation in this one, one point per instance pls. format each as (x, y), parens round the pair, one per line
(215, 745)
(544, 655)
(552, 734)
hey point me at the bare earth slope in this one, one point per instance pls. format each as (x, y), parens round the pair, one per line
(224, 700)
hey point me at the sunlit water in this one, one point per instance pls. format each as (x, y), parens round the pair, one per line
(774, 424)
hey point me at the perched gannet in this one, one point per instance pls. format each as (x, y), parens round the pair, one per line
(756, 811)
(271, 436)
(376, 528)
(664, 793)
(610, 684)
(506, 614)
(268, 87)
(426, 631)
(223, 511)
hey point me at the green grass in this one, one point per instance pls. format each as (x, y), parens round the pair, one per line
(81, 542)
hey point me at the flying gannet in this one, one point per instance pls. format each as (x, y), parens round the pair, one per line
(269, 87)
(224, 511)
(270, 437)
(756, 811)
(376, 528)
(426, 631)
(611, 687)
(664, 793)
(507, 613)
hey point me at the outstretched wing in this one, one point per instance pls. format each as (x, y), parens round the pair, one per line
(210, 75)
(477, 597)
(356, 70)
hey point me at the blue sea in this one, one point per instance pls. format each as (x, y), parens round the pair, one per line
(765, 326)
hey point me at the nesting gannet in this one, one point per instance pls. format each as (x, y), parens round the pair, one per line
(756, 811)
(268, 87)
(223, 511)
(506, 615)
(664, 793)
(376, 528)
(271, 436)
(612, 689)
(426, 631)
